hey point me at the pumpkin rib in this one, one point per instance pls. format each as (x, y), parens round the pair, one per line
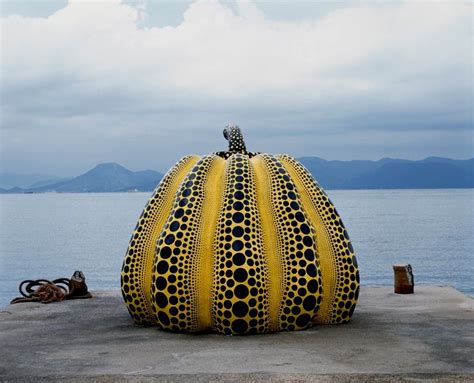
(342, 298)
(271, 240)
(241, 274)
(140, 254)
(177, 255)
(300, 272)
(325, 247)
(212, 205)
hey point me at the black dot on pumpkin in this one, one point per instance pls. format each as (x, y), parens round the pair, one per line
(169, 239)
(309, 303)
(161, 300)
(295, 310)
(238, 259)
(238, 217)
(312, 286)
(239, 195)
(241, 291)
(237, 231)
(160, 283)
(301, 292)
(309, 255)
(240, 275)
(311, 270)
(238, 205)
(179, 213)
(163, 318)
(174, 226)
(240, 309)
(239, 326)
(172, 289)
(308, 241)
(162, 267)
(351, 311)
(237, 245)
(303, 320)
(165, 252)
(299, 216)
(305, 229)
(354, 261)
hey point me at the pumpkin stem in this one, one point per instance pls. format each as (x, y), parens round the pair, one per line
(233, 134)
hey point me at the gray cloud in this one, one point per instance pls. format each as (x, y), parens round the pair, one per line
(92, 82)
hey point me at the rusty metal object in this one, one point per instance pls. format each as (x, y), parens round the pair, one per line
(404, 282)
(45, 291)
(77, 287)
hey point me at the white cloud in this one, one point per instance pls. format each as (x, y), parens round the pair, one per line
(359, 65)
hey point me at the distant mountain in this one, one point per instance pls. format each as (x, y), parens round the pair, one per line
(108, 177)
(11, 180)
(388, 173)
(14, 190)
(47, 182)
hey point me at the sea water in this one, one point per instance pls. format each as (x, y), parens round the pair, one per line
(52, 235)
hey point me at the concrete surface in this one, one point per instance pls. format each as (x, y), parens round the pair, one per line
(427, 336)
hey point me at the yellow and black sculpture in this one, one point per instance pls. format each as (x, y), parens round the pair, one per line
(239, 243)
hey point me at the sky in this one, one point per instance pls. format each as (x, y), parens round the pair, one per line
(143, 83)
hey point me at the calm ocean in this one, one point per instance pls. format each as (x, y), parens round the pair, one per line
(51, 235)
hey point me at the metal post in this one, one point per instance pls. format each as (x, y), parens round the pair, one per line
(404, 281)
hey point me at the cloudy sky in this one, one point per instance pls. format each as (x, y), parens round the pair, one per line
(144, 82)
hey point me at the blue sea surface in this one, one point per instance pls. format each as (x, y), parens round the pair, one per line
(52, 235)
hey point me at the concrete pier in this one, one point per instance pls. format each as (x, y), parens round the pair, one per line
(426, 336)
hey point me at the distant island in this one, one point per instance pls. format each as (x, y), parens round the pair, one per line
(387, 173)
(108, 177)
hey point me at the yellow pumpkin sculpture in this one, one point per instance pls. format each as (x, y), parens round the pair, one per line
(239, 243)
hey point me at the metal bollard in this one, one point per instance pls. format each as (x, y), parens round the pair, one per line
(404, 281)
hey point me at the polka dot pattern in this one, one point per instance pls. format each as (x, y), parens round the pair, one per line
(345, 263)
(240, 302)
(138, 261)
(302, 284)
(233, 134)
(256, 230)
(175, 271)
